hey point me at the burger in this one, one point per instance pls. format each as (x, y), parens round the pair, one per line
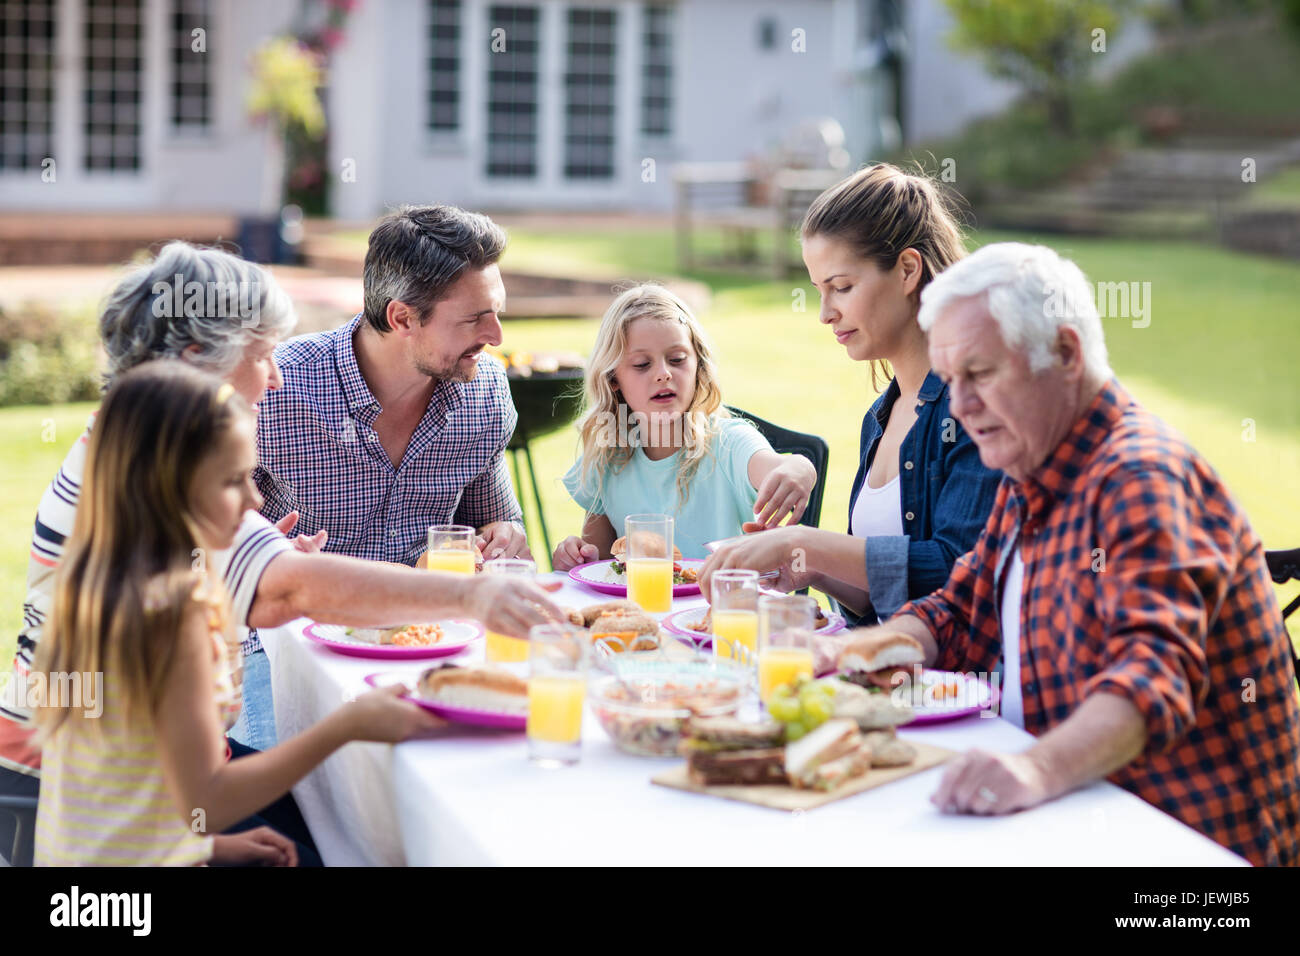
(880, 659)
(651, 545)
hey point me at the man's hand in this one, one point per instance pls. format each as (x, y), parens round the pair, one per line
(307, 544)
(785, 491)
(260, 845)
(503, 539)
(989, 783)
(508, 605)
(777, 550)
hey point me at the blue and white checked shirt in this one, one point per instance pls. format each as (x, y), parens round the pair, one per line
(318, 453)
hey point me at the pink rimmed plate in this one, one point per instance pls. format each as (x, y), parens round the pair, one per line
(599, 576)
(457, 635)
(679, 623)
(460, 715)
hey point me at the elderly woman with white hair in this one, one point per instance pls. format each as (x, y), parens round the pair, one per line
(1118, 587)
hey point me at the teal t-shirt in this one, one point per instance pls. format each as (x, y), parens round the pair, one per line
(719, 500)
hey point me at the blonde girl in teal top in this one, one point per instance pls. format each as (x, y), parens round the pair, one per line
(656, 438)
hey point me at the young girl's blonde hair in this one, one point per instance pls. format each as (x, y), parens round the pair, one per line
(603, 447)
(133, 566)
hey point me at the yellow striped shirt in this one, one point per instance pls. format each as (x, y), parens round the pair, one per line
(104, 801)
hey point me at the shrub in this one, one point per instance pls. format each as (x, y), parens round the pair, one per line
(48, 356)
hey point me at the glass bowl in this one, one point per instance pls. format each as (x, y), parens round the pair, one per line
(644, 706)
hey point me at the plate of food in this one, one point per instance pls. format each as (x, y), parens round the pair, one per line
(695, 623)
(404, 642)
(478, 694)
(890, 665)
(610, 576)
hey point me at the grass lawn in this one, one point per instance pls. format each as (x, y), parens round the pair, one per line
(1217, 361)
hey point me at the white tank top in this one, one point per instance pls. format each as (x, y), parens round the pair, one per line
(877, 511)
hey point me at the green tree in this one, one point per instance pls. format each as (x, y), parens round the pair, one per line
(1046, 46)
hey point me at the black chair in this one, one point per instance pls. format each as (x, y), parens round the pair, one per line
(1284, 566)
(812, 447)
(545, 402)
(23, 810)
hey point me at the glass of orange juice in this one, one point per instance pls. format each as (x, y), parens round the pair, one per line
(735, 615)
(451, 548)
(650, 562)
(785, 630)
(557, 689)
(502, 648)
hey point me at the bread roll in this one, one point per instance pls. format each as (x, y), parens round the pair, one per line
(477, 688)
(874, 650)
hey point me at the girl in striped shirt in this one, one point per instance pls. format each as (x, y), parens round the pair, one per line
(140, 773)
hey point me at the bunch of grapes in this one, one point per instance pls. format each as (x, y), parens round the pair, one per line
(802, 706)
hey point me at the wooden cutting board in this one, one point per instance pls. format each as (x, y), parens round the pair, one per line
(790, 798)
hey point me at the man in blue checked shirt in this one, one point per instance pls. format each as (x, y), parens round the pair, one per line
(398, 420)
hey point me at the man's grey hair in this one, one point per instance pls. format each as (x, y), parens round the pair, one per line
(1031, 292)
(192, 296)
(418, 252)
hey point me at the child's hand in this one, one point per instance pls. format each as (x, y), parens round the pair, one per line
(260, 845)
(785, 491)
(381, 715)
(571, 552)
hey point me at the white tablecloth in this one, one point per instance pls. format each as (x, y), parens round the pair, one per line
(472, 797)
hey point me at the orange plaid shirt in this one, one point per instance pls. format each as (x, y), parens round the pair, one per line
(1143, 578)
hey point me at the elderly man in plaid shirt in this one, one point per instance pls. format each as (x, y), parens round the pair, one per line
(397, 420)
(1117, 586)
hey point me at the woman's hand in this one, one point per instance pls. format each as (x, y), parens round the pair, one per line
(509, 606)
(382, 716)
(784, 493)
(571, 552)
(781, 550)
(261, 845)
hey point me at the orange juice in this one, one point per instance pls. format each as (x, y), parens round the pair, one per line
(733, 629)
(555, 707)
(650, 584)
(456, 560)
(501, 648)
(782, 665)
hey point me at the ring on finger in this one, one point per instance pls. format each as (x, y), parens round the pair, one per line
(987, 795)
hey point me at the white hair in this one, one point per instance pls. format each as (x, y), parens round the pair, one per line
(1031, 293)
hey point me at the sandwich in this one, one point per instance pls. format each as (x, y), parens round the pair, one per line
(475, 688)
(653, 546)
(870, 711)
(887, 750)
(592, 611)
(880, 658)
(624, 630)
(723, 751)
(827, 757)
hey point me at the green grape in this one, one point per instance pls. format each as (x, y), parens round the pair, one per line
(816, 711)
(784, 709)
(795, 730)
(828, 689)
(781, 692)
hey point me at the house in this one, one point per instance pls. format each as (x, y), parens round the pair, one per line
(138, 105)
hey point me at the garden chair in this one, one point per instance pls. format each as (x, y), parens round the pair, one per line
(23, 810)
(1284, 566)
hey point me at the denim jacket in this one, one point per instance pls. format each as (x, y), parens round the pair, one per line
(945, 493)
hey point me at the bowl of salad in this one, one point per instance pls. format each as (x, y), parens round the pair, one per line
(643, 706)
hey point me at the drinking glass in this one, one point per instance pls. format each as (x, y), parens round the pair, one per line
(735, 615)
(502, 648)
(451, 548)
(785, 634)
(650, 562)
(557, 686)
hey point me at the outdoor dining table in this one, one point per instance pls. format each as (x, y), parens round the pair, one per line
(471, 796)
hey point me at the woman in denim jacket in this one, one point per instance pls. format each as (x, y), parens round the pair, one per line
(921, 496)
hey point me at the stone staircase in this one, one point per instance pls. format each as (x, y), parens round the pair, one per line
(1187, 190)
